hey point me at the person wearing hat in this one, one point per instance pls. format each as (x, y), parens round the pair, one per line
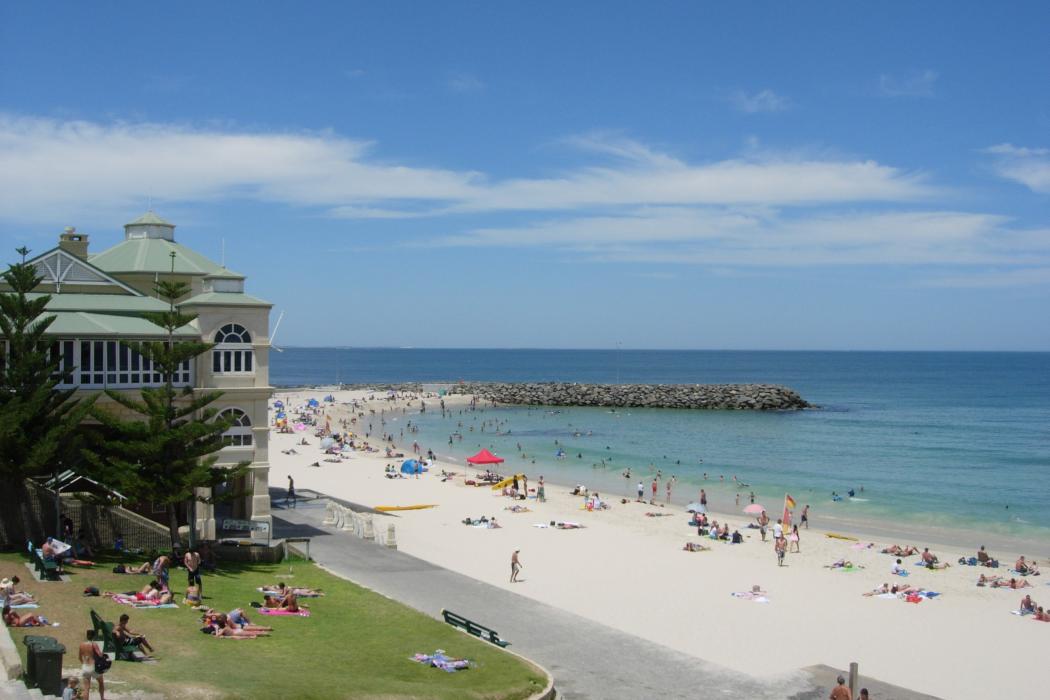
(8, 594)
(840, 691)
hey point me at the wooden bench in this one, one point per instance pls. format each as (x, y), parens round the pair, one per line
(47, 569)
(486, 633)
(110, 645)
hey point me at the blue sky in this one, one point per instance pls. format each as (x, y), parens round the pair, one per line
(661, 175)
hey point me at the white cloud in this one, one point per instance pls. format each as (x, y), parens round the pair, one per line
(731, 237)
(916, 84)
(54, 171)
(1028, 166)
(465, 82)
(761, 101)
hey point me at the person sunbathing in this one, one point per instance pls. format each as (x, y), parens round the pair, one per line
(153, 592)
(1041, 615)
(992, 581)
(928, 557)
(1026, 568)
(143, 568)
(695, 547)
(193, 595)
(238, 618)
(938, 565)
(279, 590)
(13, 619)
(884, 588)
(841, 564)
(1012, 583)
(216, 624)
(12, 596)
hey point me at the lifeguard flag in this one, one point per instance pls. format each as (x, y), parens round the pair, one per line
(789, 502)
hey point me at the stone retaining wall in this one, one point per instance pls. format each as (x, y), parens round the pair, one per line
(746, 397)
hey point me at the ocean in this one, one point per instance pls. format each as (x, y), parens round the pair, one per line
(939, 441)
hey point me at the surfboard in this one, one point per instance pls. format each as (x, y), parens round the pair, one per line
(836, 536)
(507, 482)
(385, 509)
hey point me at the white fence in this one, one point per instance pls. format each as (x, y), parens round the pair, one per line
(360, 524)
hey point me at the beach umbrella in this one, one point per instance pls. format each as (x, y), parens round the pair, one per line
(300, 426)
(754, 509)
(696, 508)
(278, 404)
(327, 442)
(313, 403)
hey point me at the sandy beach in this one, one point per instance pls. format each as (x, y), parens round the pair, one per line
(629, 571)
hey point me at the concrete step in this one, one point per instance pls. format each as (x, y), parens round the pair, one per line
(14, 690)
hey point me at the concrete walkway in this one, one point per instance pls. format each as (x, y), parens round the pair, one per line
(587, 659)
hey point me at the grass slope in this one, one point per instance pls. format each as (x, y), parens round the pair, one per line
(356, 644)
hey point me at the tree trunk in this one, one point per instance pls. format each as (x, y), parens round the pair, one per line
(173, 525)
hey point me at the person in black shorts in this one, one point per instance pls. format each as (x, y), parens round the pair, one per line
(805, 517)
(192, 562)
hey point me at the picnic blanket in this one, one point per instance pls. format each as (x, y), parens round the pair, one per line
(302, 612)
(439, 660)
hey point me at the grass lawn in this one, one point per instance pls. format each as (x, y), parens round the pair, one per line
(356, 644)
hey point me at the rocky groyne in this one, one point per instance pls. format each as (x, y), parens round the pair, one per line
(726, 397)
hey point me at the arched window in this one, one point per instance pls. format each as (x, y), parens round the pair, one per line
(240, 433)
(233, 351)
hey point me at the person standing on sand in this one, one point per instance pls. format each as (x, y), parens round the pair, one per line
(656, 485)
(794, 538)
(703, 499)
(778, 529)
(763, 523)
(805, 516)
(670, 483)
(641, 492)
(515, 566)
(541, 493)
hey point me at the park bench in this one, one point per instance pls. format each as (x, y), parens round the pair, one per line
(104, 633)
(47, 569)
(473, 628)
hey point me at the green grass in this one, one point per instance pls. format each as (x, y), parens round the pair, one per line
(356, 644)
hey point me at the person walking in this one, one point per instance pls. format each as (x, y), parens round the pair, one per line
(89, 653)
(763, 524)
(541, 493)
(290, 495)
(780, 548)
(515, 566)
(703, 499)
(656, 485)
(794, 538)
(641, 492)
(670, 484)
(805, 517)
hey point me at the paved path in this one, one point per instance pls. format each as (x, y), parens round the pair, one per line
(588, 660)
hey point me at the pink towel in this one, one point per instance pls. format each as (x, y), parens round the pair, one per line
(303, 612)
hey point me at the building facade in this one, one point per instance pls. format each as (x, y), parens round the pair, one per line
(98, 300)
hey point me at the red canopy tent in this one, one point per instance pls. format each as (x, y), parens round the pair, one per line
(484, 457)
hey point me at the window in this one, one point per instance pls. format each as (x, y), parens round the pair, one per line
(111, 363)
(233, 351)
(240, 433)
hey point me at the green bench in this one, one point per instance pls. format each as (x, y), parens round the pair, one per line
(47, 569)
(110, 645)
(486, 633)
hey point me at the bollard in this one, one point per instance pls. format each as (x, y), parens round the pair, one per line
(329, 514)
(391, 536)
(368, 532)
(348, 519)
(854, 674)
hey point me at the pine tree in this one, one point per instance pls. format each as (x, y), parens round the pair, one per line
(172, 450)
(39, 422)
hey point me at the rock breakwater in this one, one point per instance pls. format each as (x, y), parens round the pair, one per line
(730, 397)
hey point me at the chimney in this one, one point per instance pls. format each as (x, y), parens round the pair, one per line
(73, 242)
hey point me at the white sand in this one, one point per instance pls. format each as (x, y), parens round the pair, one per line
(629, 571)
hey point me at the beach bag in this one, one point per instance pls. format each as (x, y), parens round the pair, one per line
(102, 662)
(91, 591)
(119, 569)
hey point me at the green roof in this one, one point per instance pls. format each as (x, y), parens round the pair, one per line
(114, 303)
(150, 218)
(225, 299)
(153, 255)
(223, 273)
(83, 324)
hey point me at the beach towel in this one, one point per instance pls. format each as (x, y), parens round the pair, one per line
(887, 596)
(139, 604)
(752, 596)
(302, 612)
(24, 606)
(541, 525)
(902, 572)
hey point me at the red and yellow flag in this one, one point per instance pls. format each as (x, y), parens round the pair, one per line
(789, 502)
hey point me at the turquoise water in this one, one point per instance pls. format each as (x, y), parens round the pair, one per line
(938, 439)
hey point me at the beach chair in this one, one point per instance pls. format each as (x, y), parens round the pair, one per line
(471, 627)
(104, 633)
(47, 569)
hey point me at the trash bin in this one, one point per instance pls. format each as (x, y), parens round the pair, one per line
(44, 663)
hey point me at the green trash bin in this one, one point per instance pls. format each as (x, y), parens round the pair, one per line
(44, 663)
